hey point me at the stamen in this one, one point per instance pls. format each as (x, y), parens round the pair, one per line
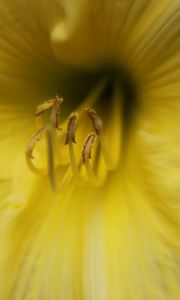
(70, 135)
(66, 179)
(86, 156)
(55, 112)
(53, 143)
(105, 151)
(86, 153)
(39, 122)
(47, 105)
(98, 127)
(54, 105)
(50, 150)
(96, 120)
(70, 141)
(29, 150)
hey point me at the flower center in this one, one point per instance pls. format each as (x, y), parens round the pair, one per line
(52, 134)
(86, 147)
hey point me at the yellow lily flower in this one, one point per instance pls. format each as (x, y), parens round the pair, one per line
(90, 159)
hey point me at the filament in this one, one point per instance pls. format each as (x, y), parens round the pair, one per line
(92, 177)
(50, 157)
(70, 141)
(32, 167)
(74, 164)
(105, 151)
(29, 151)
(39, 122)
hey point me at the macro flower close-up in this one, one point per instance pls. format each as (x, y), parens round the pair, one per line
(89, 150)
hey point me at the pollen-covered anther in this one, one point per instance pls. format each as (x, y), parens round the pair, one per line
(86, 152)
(98, 127)
(70, 141)
(54, 106)
(56, 102)
(86, 156)
(55, 111)
(96, 120)
(70, 134)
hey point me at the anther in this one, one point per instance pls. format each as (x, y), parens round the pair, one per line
(70, 135)
(86, 156)
(86, 153)
(47, 105)
(70, 141)
(98, 127)
(96, 120)
(55, 112)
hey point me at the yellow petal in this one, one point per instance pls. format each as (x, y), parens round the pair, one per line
(15, 128)
(89, 243)
(120, 240)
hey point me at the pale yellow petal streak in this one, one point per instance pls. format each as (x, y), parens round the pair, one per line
(159, 40)
(142, 245)
(14, 130)
(51, 254)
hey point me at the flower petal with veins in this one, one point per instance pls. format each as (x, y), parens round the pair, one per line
(119, 239)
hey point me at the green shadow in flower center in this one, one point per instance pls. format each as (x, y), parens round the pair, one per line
(78, 84)
(128, 88)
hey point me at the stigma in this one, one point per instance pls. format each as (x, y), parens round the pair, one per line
(53, 135)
